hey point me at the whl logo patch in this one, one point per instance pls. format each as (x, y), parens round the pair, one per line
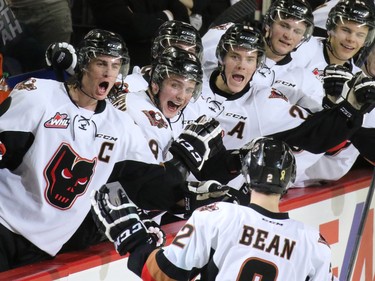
(59, 121)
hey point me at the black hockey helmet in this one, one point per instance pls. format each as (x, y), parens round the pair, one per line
(244, 36)
(291, 9)
(176, 33)
(176, 61)
(269, 166)
(356, 11)
(102, 42)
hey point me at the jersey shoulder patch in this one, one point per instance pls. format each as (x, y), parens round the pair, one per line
(27, 85)
(276, 94)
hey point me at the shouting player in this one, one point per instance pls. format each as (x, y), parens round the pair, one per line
(59, 141)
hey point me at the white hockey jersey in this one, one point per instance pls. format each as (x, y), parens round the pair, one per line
(46, 196)
(243, 243)
(287, 75)
(155, 126)
(256, 111)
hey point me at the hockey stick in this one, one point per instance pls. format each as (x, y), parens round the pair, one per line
(362, 222)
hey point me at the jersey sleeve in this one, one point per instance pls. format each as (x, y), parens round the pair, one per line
(321, 261)
(181, 260)
(20, 118)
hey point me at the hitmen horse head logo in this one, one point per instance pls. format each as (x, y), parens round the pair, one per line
(68, 176)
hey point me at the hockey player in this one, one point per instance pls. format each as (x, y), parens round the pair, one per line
(60, 141)
(287, 25)
(351, 27)
(231, 242)
(176, 78)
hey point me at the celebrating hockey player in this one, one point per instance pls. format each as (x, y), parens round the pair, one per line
(59, 141)
(235, 242)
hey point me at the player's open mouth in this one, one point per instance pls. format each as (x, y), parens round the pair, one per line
(103, 87)
(173, 106)
(238, 78)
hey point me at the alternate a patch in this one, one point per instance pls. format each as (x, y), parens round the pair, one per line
(28, 85)
(59, 121)
(155, 118)
(276, 94)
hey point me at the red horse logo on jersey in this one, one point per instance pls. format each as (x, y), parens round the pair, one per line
(155, 118)
(276, 94)
(68, 176)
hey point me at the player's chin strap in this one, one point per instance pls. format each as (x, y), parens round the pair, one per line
(222, 73)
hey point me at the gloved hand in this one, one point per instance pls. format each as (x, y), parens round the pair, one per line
(198, 194)
(199, 141)
(153, 228)
(334, 79)
(61, 56)
(360, 92)
(117, 217)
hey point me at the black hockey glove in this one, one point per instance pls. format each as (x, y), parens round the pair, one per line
(334, 79)
(364, 92)
(360, 92)
(198, 142)
(117, 217)
(61, 56)
(198, 194)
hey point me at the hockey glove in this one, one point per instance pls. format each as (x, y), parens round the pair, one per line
(198, 142)
(198, 194)
(61, 56)
(153, 228)
(118, 219)
(334, 79)
(360, 92)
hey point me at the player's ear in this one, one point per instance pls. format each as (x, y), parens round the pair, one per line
(154, 88)
(267, 31)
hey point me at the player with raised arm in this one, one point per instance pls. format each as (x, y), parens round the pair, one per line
(256, 241)
(248, 110)
(59, 141)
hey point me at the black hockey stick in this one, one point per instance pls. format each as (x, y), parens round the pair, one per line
(362, 222)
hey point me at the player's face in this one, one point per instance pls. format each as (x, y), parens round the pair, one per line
(174, 94)
(347, 39)
(240, 65)
(286, 34)
(100, 76)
